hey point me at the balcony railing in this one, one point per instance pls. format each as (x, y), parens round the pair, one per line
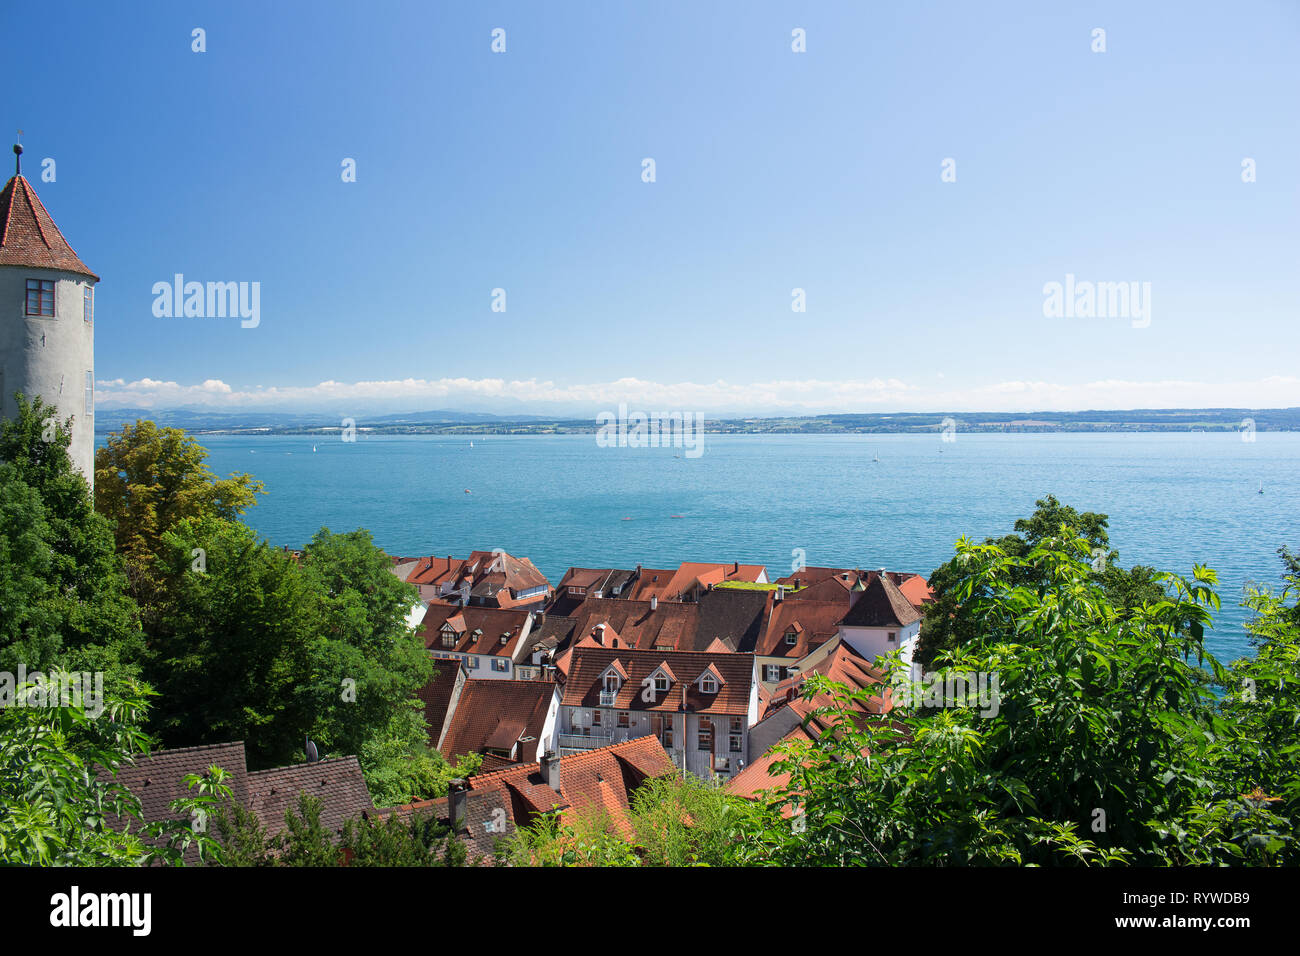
(585, 741)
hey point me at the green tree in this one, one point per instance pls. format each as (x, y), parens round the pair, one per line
(945, 629)
(230, 644)
(419, 840)
(148, 480)
(368, 664)
(400, 767)
(62, 588)
(1107, 744)
(305, 841)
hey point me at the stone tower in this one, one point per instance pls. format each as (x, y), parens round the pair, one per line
(47, 318)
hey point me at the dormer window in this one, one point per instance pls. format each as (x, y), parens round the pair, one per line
(791, 638)
(611, 682)
(448, 636)
(505, 639)
(708, 685)
(661, 682)
(40, 297)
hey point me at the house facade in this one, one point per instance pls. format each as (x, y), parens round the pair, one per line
(699, 706)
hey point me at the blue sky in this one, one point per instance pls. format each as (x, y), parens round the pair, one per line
(775, 170)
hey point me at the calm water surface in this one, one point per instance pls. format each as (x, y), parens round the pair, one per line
(1173, 499)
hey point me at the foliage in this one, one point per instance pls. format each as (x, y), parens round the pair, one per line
(62, 588)
(229, 645)
(148, 480)
(1107, 745)
(419, 840)
(305, 841)
(248, 644)
(944, 628)
(589, 839)
(672, 821)
(367, 665)
(400, 766)
(59, 796)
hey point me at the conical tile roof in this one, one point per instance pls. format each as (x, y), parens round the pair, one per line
(29, 237)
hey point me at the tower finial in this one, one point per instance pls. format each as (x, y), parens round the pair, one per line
(18, 155)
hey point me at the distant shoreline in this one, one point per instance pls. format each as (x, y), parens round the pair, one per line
(1221, 420)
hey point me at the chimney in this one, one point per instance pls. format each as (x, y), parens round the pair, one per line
(780, 593)
(550, 765)
(654, 603)
(457, 796)
(796, 584)
(637, 576)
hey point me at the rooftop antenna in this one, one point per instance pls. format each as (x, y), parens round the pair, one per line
(18, 155)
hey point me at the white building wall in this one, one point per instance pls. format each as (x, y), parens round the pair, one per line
(49, 357)
(873, 642)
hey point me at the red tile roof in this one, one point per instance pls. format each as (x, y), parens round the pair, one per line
(494, 714)
(601, 779)
(882, 604)
(670, 625)
(490, 622)
(28, 235)
(604, 779)
(814, 623)
(694, 574)
(588, 665)
(917, 590)
(652, 583)
(843, 665)
(337, 782)
(758, 777)
(158, 779)
(437, 696)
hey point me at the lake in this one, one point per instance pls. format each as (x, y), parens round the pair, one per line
(1173, 499)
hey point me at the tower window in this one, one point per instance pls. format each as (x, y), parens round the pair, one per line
(88, 303)
(40, 297)
(90, 394)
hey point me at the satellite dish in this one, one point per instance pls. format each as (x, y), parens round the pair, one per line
(312, 754)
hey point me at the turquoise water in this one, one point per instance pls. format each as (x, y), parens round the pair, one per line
(1173, 499)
